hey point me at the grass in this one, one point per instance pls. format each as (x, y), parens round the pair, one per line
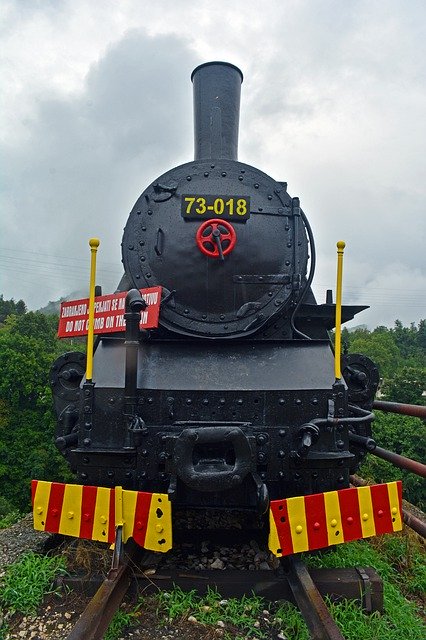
(400, 618)
(246, 617)
(120, 622)
(28, 580)
(8, 520)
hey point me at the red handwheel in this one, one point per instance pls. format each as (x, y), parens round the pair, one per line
(216, 238)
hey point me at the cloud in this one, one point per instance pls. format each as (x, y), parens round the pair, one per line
(87, 158)
(333, 102)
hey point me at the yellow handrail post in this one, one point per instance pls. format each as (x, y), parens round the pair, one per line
(94, 244)
(338, 335)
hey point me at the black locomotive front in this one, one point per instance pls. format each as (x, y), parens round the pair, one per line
(234, 394)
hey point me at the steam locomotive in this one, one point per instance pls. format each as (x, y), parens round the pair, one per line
(232, 402)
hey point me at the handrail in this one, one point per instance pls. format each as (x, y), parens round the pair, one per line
(417, 411)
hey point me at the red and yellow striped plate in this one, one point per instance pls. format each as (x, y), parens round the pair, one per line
(95, 512)
(324, 519)
(296, 524)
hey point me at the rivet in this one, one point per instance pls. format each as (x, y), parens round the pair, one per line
(158, 528)
(86, 517)
(139, 525)
(340, 444)
(188, 401)
(143, 228)
(365, 516)
(148, 275)
(212, 166)
(138, 213)
(350, 520)
(394, 511)
(380, 513)
(263, 475)
(314, 400)
(317, 526)
(103, 519)
(110, 474)
(289, 245)
(206, 174)
(142, 258)
(281, 453)
(70, 515)
(205, 401)
(150, 212)
(39, 510)
(287, 263)
(222, 401)
(131, 247)
(223, 174)
(299, 528)
(240, 178)
(333, 523)
(186, 311)
(281, 401)
(256, 186)
(150, 400)
(269, 197)
(298, 401)
(222, 317)
(260, 208)
(84, 476)
(340, 479)
(204, 316)
(55, 513)
(281, 474)
(87, 442)
(189, 178)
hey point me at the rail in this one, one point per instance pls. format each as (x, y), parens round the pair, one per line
(95, 619)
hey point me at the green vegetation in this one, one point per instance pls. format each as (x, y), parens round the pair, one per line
(120, 622)
(401, 566)
(400, 354)
(246, 617)
(27, 581)
(28, 347)
(240, 613)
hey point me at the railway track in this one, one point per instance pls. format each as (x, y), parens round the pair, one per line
(290, 581)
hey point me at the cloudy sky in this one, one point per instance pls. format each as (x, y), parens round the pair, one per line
(97, 102)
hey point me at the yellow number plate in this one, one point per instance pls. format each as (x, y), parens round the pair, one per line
(236, 208)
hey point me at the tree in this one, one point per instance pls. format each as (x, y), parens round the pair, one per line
(28, 347)
(406, 436)
(9, 307)
(406, 385)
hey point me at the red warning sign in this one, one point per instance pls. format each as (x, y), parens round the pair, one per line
(109, 313)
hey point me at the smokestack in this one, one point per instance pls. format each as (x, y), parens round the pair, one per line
(217, 89)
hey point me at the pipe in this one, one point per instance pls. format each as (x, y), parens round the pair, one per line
(217, 90)
(398, 407)
(401, 461)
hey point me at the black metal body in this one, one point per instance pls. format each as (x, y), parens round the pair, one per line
(232, 400)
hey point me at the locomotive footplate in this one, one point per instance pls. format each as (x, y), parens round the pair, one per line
(297, 524)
